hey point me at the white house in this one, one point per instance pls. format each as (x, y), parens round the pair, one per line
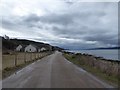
(43, 49)
(30, 48)
(19, 48)
(39, 50)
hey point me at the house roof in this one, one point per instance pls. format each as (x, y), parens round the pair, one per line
(23, 46)
(36, 46)
(33, 46)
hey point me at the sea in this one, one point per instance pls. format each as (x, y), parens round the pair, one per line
(107, 54)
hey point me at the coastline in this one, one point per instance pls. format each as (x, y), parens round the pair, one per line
(105, 69)
(99, 53)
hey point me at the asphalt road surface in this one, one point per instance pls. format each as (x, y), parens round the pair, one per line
(53, 71)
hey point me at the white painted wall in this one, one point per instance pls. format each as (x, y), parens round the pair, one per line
(30, 48)
(19, 48)
(39, 50)
(42, 49)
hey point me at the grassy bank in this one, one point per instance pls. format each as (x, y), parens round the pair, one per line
(81, 61)
(11, 70)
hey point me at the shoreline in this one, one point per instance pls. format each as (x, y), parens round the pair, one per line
(96, 56)
(105, 69)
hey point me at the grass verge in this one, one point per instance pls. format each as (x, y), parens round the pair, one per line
(111, 79)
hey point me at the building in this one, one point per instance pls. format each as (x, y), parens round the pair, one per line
(31, 48)
(43, 49)
(39, 50)
(19, 48)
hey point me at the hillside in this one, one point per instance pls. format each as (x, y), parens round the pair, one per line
(11, 44)
(104, 48)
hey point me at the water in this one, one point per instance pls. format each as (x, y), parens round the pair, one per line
(107, 54)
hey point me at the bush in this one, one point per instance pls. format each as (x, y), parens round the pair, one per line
(7, 69)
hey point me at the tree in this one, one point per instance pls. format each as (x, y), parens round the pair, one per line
(6, 37)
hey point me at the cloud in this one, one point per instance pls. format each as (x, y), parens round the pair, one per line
(50, 19)
(72, 25)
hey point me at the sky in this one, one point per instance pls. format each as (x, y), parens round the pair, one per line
(70, 24)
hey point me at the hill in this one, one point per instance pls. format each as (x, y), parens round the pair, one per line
(104, 48)
(11, 44)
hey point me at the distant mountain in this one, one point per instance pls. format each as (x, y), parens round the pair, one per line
(11, 44)
(104, 48)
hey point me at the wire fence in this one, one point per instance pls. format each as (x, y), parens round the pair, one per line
(18, 58)
(109, 67)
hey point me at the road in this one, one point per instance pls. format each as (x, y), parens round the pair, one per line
(53, 71)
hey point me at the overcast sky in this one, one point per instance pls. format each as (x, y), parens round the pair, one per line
(68, 24)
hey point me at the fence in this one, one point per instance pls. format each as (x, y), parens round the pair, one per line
(110, 67)
(106, 66)
(18, 58)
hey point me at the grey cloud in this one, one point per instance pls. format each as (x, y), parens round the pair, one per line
(8, 24)
(98, 35)
(91, 25)
(106, 39)
(62, 19)
(52, 18)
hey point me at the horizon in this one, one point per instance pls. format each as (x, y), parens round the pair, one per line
(97, 48)
(70, 25)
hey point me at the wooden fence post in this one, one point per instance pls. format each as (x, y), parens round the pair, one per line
(38, 55)
(25, 57)
(16, 59)
(34, 56)
(31, 56)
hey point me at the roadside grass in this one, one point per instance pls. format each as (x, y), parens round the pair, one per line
(111, 79)
(8, 61)
(0, 74)
(11, 70)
